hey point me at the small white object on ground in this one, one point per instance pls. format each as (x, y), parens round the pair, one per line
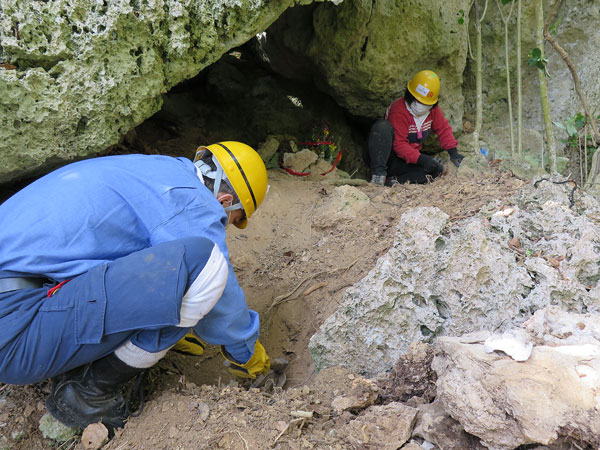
(514, 343)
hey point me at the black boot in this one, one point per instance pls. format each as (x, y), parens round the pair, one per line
(92, 394)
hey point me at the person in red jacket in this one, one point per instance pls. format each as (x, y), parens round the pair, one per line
(407, 123)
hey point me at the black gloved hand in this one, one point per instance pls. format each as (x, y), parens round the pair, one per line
(432, 167)
(455, 157)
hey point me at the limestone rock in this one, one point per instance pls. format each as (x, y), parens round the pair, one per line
(268, 148)
(412, 446)
(364, 53)
(385, 427)
(53, 429)
(411, 377)
(362, 393)
(576, 30)
(435, 425)
(442, 278)
(85, 73)
(345, 202)
(513, 342)
(321, 170)
(94, 436)
(551, 398)
(299, 162)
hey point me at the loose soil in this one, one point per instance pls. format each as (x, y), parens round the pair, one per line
(294, 270)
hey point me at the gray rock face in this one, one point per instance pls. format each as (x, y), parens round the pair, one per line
(576, 30)
(79, 74)
(551, 399)
(363, 53)
(490, 272)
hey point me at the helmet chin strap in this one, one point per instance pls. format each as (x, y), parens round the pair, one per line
(218, 176)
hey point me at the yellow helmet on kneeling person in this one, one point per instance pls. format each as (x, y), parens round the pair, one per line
(425, 87)
(245, 171)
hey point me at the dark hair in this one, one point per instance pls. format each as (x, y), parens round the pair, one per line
(225, 186)
(411, 98)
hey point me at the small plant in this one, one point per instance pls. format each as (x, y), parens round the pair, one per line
(579, 141)
(324, 144)
(572, 126)
(536, 59)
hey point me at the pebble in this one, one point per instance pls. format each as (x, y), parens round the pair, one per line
(94, 436)
(53, 429)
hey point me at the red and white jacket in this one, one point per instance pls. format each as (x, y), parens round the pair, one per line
(408, 139)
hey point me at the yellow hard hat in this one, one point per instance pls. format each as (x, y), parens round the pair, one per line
(425, 87)
(245, 171)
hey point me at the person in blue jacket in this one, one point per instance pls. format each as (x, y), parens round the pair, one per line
(106, 264)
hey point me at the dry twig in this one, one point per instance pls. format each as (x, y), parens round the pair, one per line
(287, 427)
(313, 288)
(288, 296)
(242, 438)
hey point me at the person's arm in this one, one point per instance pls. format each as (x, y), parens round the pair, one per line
(401, 119)
(229, 322)
(443, 130)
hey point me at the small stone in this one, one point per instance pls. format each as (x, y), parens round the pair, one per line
(29, 409)
(94, 436)
(281, 425)
(17, 435)
(4, 445)
(53, 429)
(204, 411)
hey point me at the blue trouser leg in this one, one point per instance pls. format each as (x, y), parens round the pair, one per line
(137, 297)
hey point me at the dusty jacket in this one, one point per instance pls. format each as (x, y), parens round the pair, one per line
(78, 219)
(408, 140)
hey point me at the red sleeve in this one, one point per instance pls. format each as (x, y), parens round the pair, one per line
(401, 119)
(442, 128)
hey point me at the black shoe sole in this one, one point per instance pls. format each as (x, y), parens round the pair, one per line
(59, 415)
(73, 422)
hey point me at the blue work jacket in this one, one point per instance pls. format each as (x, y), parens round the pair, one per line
(99, 210)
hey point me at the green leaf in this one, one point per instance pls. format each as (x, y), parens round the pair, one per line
(506, 2)
(571, 130)
(559, 125)
(580, 120)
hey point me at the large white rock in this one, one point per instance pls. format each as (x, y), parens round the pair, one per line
(551, 398)
(491, 271)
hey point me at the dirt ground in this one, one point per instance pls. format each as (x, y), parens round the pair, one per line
(294, 262)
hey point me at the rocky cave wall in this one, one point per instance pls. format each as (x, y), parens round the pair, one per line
(575, 28)
(75, 76)
(78, 74)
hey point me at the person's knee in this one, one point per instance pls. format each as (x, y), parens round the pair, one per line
(205, 286)
(382, 128)
(197, 253)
